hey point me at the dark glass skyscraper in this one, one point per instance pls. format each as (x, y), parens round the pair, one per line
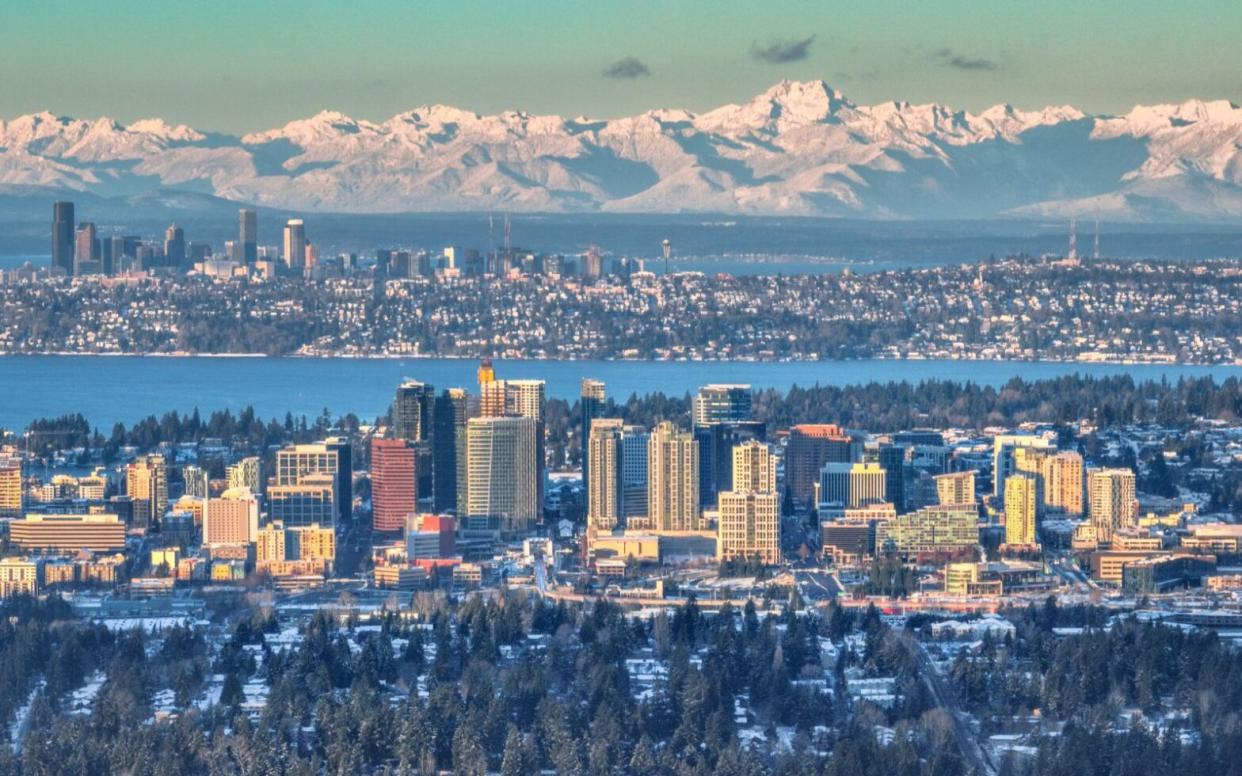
(248, 235)
(591, 401)
(62, 236)
(448, 448)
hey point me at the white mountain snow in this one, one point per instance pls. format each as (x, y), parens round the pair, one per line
(798, 148)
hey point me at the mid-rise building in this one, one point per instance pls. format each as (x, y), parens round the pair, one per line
(749, 526)
(720, 403)
(754, 467)
(956, 489)
(1111, 497)
(929, 531)
(68, 533)
(233, 518)
(146, 482)
(194, 478)
(673, 479)
(12, 492)
(245, 474)
(18, 576)
(850, 485)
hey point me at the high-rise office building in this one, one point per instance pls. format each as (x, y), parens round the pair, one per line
(1063, 483)
(1111, 500)
(63, 236)
(247, 236)
(716, 443)
(673, 479)
(174, 246)
(1003, 462)
(297, 461)
(603, 459)
(344, 492)
(295, 244)
(754, 467)
(591, 399)
(852, 485)
(749, 526)
(412, 411)
(956, 489)
(85, 250)
(448, 449)
(233, 518)
(893, 458)
(809, 447)
(310, 501)
(502, 492)
(1021, 507)
(635, 442)
(721, 404)
(146, 482)
(394, 484)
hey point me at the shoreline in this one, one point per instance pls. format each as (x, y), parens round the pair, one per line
(620, 359)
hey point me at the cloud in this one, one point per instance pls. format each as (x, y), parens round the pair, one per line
(780, 51)
(950, 58)
(626, 67)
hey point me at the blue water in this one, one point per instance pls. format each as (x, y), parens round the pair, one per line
(111, 389)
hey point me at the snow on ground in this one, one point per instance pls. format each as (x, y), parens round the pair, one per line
(83, 698)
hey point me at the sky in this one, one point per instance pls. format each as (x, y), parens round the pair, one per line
(234, 66)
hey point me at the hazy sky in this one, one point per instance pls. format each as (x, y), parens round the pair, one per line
(238, 66)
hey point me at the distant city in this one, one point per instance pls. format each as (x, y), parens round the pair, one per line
(131, 296)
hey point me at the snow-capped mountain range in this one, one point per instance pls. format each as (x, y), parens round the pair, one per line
(800, 148)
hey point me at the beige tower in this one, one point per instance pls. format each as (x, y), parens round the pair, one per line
(1110, 493)
(754, 467)
(1021, 505)
(604, 479)
(673, 479)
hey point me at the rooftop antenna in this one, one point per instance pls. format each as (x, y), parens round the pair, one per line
(1095, 254)
(508, 236)
(667, 247)
(1073, 245)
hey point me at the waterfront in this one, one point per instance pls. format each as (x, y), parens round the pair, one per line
(114, 389)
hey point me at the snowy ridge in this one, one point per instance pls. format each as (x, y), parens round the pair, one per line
(800, 148)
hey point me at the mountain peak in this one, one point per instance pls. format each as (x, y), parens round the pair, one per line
(797, 147)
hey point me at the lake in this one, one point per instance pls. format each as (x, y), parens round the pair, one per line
(108, 389)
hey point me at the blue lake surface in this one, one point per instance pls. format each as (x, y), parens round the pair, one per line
(109, 389)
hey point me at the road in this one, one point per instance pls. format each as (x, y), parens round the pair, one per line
(945, 696)
(817, 586)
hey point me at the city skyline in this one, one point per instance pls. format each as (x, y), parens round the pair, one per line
(242, 68)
